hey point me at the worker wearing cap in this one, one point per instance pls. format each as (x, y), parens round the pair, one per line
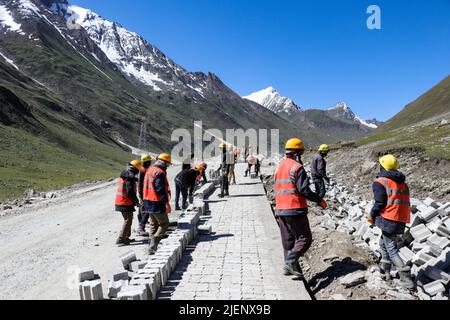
(319, 170)
(157, 199)
(391, 212)
(126, 200)
(291, 194)
(146, 160)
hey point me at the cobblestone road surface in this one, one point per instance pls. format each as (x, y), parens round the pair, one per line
(242, 258)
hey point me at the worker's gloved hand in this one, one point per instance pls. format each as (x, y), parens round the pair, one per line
(370, 219)
(324, 204)
(168, 208)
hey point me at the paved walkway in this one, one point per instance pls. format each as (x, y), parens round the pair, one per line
(242, 258)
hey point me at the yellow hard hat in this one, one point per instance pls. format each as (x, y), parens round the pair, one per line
(146, 158)
(137, 164)
(295, 144)
(165, 157)
(324, 148)
(222, 146)
(200, 168)
(389, 162)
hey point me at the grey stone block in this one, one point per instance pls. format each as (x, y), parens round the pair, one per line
(86, 274)
(422, 257)
(127, 259)
(91, 290)
(205, 229)
(433, 288)
(406, 255)
(420, 233)
(399, 295)
(152, 286)
(133, 293)
(353, 279)
(114, 287)
(430, 203)
(443, 231)
(135, 266)
(119, 274)
(429, 214)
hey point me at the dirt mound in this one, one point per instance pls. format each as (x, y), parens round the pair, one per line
(357, 168)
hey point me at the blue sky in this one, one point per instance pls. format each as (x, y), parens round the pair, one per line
(315, 52)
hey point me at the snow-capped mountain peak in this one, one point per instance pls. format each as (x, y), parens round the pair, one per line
(132, 54)
(343, 111)
(272, 100)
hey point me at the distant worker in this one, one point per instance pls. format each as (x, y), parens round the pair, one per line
(185, 182)
(157, 199)
(224, 170)
(291, 192)
(232, 162)
(146, 160)
(319, 170)
(126, 200)
(251, 161)
(391, 212)
(203, 172)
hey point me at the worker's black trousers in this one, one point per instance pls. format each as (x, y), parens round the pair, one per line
(296, 234)
(224, 185)
(319, 184)
(180, 189)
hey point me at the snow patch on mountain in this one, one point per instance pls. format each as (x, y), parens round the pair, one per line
(348, 114)
(116, 42)
(7, 20)
(272, 100)
(9, 61)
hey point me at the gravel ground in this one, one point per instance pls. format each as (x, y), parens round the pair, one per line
(41, 243)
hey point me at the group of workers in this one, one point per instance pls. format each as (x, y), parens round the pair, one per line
(145, 184)
(390, 213)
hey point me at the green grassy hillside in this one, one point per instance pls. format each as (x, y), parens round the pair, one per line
(433, 103)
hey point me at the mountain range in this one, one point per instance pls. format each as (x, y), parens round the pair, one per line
(73, 84)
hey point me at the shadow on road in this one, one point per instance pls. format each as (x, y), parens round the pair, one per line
(336, 270)
(248, 195)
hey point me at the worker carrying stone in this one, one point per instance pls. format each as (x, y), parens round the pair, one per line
(146, 161)
(319, 170)
(224, 170)
(291, 194)
(185, 183)
(157, 199)
(391, 212)
(126, 200)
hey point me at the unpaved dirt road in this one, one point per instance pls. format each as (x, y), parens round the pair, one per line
(41, 246)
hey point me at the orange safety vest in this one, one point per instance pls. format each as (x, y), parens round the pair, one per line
(286, 194)
(149, 184)
(122, 198)
(398, 206)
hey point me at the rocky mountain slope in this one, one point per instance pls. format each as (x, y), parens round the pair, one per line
(336, 123)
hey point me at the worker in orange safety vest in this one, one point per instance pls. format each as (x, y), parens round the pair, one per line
(126, 200)
(391, 212)
(291, 194)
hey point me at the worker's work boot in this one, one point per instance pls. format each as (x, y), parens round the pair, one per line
(153, 246)
(385, 268)
(120, 243)
(404, 272)
(292, 267)
(141, 232)
(177, 207)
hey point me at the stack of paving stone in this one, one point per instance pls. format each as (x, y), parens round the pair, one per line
(90, 285)
(425, 245)
(147, 278)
